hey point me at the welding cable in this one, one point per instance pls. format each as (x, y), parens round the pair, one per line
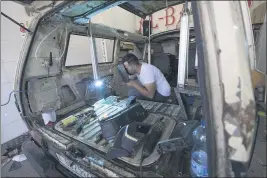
(10, 96)
(20, 91)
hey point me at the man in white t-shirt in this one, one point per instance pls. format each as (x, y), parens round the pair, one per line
(151, 82)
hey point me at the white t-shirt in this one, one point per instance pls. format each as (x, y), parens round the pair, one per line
(150, 74)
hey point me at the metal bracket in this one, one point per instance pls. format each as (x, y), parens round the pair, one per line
(183, 49)
(171, 145)
(93, 52)
(180, 102)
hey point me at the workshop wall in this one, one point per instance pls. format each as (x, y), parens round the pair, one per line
(170, 17)
(117, 17)
(165, 19)
(11, 41)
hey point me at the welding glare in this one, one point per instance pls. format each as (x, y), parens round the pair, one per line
(98, 83)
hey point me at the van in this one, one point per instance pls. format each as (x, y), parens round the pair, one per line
(57, 70)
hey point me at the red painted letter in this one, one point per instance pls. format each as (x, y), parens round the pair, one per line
(171, 16)
(140, 25)
(156, 26)
(249, 3)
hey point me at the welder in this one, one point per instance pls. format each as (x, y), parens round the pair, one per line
(150, 84)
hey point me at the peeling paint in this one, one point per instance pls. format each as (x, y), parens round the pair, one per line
(239, 152)
(239, 127)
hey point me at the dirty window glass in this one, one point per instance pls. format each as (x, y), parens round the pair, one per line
(79, 51)
(148, 7)
(81, 7)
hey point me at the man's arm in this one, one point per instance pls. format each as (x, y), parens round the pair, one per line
(148, 90)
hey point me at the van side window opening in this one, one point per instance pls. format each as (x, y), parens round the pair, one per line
(129, 47)
(78, 52)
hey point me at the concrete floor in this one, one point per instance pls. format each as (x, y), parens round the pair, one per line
(26, 170)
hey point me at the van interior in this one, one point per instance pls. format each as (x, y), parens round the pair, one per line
(58, 75)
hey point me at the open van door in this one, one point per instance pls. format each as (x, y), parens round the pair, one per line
(224, 55)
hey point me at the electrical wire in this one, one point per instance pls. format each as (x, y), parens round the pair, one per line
(9, 97)
(32, 91)
(43, 41)
(28, 91)
(66, 34)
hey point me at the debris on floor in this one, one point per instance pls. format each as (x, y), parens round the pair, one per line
(8, 156)
(13, 153)
(19, 158)
(26, 170)
(5, 160)
(3, 151)
(15, 143)
(14, 162)
(15, 165)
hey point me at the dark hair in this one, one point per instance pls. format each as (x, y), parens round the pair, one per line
(130, 58)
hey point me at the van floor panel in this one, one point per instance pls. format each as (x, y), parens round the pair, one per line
(170, 110)
(92, 130)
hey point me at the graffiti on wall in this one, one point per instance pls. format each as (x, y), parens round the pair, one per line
(22, 30)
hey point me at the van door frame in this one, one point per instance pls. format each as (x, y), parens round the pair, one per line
(228, 102)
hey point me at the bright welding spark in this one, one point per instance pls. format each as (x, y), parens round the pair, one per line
(98, 83)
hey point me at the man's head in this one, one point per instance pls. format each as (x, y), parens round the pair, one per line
(131, 63)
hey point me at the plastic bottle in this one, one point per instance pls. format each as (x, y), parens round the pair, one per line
(199, 161)
(199, 132)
